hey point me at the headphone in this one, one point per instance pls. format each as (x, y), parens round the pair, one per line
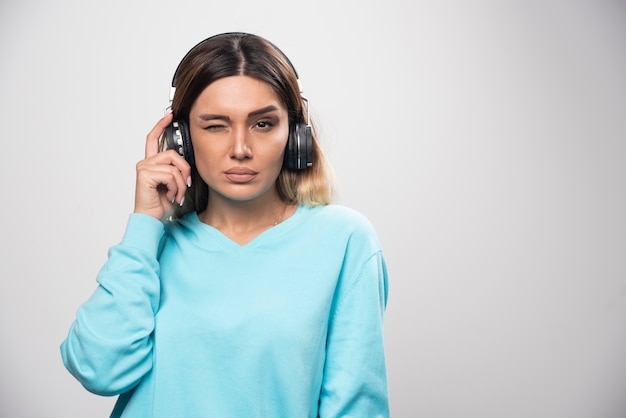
(299, 149)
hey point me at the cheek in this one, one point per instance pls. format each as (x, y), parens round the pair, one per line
(279, 150)
(270, 148)
(205, 156)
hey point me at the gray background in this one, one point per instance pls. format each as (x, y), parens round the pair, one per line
(486, 140)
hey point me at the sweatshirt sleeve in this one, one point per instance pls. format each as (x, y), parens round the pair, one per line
(355, 379)
(109, 346)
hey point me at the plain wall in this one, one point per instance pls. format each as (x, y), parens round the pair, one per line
(486, 141)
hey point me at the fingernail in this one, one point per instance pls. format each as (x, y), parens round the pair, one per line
(189, 181)
(182, 201)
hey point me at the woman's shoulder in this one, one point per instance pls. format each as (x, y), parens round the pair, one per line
(340, 212)
(341, 217)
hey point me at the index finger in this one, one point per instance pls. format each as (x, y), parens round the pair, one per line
(152, 140)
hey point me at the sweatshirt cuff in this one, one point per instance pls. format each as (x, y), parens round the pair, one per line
(143, 232)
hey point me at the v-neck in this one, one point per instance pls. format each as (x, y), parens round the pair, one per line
(264, 236)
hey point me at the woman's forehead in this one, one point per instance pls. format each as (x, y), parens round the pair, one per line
(237, 95)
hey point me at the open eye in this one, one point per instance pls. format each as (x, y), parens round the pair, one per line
(263, 124)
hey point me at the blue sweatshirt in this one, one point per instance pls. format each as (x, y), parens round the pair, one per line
(187, 323)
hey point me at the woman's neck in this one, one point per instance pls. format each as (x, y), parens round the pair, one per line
(243, 221)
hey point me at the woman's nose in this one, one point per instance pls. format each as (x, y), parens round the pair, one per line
(240, 149)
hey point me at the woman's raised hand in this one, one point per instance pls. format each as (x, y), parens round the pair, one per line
(162, 177)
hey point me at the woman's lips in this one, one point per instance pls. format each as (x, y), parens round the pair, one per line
(240, 175)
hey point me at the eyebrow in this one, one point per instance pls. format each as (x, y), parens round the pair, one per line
(266, 109)
(261, 111)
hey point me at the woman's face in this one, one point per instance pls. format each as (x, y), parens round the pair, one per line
(239, 130)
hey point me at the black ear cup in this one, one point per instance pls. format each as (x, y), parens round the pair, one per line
(177, 137)
(299, 150)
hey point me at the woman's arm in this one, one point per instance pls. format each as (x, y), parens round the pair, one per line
(109, 346)
(355, 380)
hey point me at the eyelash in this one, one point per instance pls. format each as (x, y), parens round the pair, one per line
(213, 127)
(267, 124)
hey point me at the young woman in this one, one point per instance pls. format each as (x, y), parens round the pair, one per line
(237, 290)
